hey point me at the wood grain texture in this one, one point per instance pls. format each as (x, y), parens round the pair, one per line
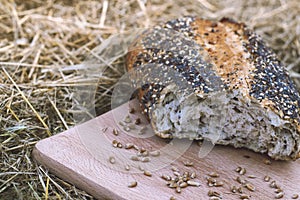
(81, 156)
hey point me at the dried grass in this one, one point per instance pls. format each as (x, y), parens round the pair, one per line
(40, 40)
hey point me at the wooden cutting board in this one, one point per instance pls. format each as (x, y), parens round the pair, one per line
(83, 156)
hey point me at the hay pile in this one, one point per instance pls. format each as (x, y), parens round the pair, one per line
(39, 39)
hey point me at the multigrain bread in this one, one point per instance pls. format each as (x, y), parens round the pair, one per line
(216, 80)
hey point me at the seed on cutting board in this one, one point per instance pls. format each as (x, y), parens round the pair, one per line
(121, 123)
(131, 126)
(219, 184)
(188, 163)
(134, 158)
(154, 153)
(243, 171)
(213, 193)
(267, 162)
(141, 168)
(126, 128)
(267, 178)
(137, 121)
(178, 189)
(147, 173)
(213, 174)
(183, 184)
(128, 145)
(233, 189)
(250, 187)
(145, 159)
(193, 183)
(127, 119)
(176, 173)
(127, 167)
(132, 184)
(278, 190)
(241, 181)
(244, 196)
(112, 160)
(252, 176)
(273, 184)
(115, 132)
(240, 190)
(131, 110)
(172, 198)
(174, 169)
(104, 129)
(193, 175)
(295, 196)
(238, 169)
(166, 177)
(279, 195)
(214, 198)
(119, 145)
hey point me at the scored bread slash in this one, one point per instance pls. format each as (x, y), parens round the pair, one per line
(132, 184)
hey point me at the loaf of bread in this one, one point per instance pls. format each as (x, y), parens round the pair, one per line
(216, 80)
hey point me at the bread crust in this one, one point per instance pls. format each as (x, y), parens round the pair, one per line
(236, 56)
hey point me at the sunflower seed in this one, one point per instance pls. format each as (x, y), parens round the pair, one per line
(295, 196)
(132, 184)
